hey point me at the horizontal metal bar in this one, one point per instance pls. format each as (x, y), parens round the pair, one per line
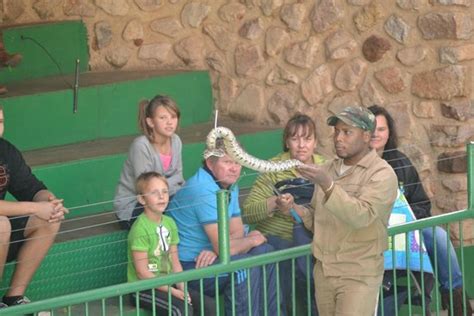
(430, 222)
(195, 274)
(126, 288)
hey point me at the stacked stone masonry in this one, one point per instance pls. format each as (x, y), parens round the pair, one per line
(271, 58)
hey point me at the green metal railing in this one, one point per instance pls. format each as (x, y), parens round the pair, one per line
(120, 291)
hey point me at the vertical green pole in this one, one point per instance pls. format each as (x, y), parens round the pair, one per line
(470, 176)
(223, 224)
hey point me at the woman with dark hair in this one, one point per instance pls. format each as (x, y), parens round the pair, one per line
(271, 212)
(385, 142)
(274, 212)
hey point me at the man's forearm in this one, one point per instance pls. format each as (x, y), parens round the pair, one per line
(10, 208)
(241, 245)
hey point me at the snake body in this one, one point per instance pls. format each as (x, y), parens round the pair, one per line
(234, 150)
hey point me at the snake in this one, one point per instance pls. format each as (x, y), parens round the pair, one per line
(239, 155)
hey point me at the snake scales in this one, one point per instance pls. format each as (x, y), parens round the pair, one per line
(234, 150)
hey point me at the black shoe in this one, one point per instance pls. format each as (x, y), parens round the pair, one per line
(16, 300)
(458, 309)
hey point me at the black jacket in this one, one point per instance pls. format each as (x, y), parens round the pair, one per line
(409, 182)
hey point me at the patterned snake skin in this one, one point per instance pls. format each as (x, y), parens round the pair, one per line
(238, 154)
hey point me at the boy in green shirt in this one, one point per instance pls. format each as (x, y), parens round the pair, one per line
(153, 251)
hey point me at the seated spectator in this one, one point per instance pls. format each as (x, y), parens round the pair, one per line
(194, 208)
(272, 212)
(28, 226)
(158, 149)
(386, 143)
(153, 251)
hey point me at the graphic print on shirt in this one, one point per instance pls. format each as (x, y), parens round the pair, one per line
(164, 238)
(4, 177)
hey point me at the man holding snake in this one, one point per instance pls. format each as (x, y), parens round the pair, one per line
(351, 206)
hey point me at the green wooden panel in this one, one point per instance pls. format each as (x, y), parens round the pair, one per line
(47, 119)
(87, 186)
(192, 158)
(118, 103)
(65, 41)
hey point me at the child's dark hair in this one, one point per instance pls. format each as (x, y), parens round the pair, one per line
(145, 177)
(147, 108)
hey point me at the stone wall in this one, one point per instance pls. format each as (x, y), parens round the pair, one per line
(271, 58)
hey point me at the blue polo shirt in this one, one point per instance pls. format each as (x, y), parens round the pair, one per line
(194, 206)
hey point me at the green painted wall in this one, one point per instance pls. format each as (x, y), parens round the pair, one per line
(65, 41)
(46, 119)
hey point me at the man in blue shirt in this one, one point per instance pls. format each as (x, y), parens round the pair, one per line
(194, 208)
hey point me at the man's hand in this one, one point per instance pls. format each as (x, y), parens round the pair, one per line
(181, 295)
(205, 258)
(52, 211)
(285, 202)
(59, 208)
(317, 175)
(257, 238)
(45, 210)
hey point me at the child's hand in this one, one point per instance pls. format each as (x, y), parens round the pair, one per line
(181, 295)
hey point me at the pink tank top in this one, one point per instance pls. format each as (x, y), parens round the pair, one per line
(165, 161)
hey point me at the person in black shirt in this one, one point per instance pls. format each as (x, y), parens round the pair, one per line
(29, 225)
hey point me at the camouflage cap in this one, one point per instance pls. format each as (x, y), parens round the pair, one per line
(355, 116)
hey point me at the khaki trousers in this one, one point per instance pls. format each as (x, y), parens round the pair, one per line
(346, 295)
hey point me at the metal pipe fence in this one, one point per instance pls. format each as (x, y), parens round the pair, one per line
(115, 300)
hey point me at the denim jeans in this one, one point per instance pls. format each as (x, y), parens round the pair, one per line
(241, 294)
(444, 252)
(389, 303)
